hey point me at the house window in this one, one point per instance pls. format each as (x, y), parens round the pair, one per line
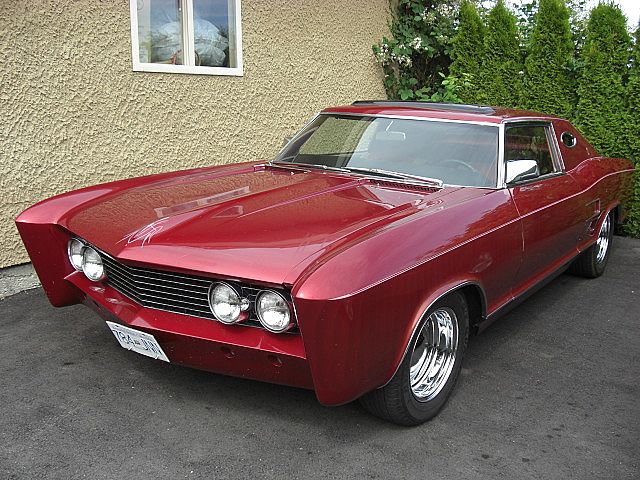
(186, 36)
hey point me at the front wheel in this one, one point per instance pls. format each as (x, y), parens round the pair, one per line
(592, 262)
(430, 367)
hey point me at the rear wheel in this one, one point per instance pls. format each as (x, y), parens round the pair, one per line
(592, 262)
(430, 367)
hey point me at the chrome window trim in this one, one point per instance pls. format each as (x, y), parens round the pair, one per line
(296, 136)
(552, 140)
(411, 117)
(502, 167)
(534, 180)
(555, 147)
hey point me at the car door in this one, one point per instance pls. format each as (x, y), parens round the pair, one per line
(547, 202)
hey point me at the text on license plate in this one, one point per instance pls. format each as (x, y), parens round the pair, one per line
(140, 342)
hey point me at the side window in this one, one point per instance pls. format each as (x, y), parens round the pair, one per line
(529, 142)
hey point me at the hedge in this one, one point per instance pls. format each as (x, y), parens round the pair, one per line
(601, 112)
(548, 85)
(502, 64)
(468, 52)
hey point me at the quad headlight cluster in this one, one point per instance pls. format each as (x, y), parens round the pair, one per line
(227, 303)
(86, 259)
(229, 307)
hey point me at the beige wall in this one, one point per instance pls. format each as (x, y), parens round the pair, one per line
(74, 114)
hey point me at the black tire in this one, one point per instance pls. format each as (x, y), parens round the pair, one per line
(592, 262)
(396, 401)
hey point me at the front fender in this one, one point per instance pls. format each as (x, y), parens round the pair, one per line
(355, 344)
(357, 312)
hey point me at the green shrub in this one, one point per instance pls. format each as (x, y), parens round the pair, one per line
(468, 52)
(548, 85)
(502, 66)
(416, 59)
(633, 96)
(632, 226)
(601, 112)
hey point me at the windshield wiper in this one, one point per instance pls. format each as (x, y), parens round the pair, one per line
(377, 171)
(310, 165)
(400, 175)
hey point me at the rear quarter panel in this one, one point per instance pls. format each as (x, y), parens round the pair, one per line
(572, 156)
(604, 184)
(604, 181)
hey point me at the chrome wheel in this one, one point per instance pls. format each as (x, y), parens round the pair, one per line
(602, 244)
(434, 354)
(429, 368)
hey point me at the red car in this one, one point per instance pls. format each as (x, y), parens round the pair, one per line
(357, 263)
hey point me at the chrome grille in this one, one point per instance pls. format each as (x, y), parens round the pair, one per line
(169, 291)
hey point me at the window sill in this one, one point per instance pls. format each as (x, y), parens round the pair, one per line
(193, 70)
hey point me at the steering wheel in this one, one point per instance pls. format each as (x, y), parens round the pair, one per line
(455, 163)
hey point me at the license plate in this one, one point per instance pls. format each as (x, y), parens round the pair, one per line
(140, 342)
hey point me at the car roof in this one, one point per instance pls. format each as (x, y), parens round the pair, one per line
(444, 111)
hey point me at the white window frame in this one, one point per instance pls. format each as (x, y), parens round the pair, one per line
(235, 31)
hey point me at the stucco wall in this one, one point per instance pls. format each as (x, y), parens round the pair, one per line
(74, 113)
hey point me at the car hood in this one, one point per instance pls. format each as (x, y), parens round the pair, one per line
(261, 223)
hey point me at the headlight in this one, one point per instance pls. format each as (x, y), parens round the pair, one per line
(74, 249)
(273, 311)
(92, 264)
(226, 304)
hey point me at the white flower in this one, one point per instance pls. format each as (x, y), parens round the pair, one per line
(445, 10)
(428, 17)
(404, 60)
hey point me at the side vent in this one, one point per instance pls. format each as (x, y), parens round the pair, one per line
(404, 186)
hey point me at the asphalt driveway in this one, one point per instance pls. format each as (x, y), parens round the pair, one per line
(552, 390)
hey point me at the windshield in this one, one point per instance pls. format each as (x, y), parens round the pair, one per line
(455, 153)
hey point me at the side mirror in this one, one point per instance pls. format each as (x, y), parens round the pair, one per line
(520, 170)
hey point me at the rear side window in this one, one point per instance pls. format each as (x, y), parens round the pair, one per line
(529, 142)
